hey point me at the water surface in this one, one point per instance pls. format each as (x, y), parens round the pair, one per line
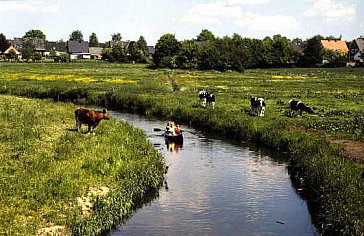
(217, 188)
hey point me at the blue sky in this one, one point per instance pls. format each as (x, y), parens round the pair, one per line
(184, 18)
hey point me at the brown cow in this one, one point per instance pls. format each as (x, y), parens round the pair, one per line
(90, 117)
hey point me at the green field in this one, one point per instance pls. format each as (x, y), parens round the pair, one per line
(335, 94)
(333, 182)
(50, 175)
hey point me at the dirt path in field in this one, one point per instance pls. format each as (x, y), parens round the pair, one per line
(351, 149)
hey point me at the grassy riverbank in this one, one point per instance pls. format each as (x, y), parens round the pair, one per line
(53, 178)
(333, 181)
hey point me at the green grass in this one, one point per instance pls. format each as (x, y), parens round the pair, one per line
(45, 166)
(333, 182)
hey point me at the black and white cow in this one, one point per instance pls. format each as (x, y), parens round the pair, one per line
(300, 107)
(207, 99)
(257, 106)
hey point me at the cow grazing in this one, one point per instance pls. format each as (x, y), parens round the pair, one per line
(257, 106)
(207, 99)
(90, 117)
(300, 107)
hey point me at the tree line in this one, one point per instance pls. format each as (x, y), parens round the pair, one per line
(208, 52)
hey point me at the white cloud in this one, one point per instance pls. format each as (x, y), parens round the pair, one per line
(232, 11)
(211, 13)
(276, 23)
(28, 6)
(245, 2)
(331, 10)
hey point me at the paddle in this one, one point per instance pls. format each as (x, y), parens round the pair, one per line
(157, 129)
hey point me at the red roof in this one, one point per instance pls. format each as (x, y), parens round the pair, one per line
(336, 45)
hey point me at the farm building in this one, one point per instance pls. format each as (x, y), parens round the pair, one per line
(96, 53)
(78, 49)
(357, 51)
(7, 53)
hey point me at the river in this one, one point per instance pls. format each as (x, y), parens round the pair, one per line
(213, 187)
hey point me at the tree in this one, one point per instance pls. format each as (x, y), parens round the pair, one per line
(313, 52)
(115, 40)
(37, 56)
(76, 35)
(116, 37)
(205, 35)
(166, 50)
(3, 43)
(281, 51)
(93, 41)
(297, 50)
(106, 54)
(333, 57)
(267, 60)
(187, 57)
(135, 54)
(240, 56)
(35, 34)
(118, 54)
(142, 45)
(28, 50)
(64, 57)
(12, 55)
(256, 51)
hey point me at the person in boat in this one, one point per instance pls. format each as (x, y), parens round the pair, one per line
(177, 130)
(170, 127)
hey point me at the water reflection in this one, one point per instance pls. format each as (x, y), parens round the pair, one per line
(216, 188)
(173, 147)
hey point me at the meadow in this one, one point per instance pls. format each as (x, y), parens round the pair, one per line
(317, 146)
(54, 179)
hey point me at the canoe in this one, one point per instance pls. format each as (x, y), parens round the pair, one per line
(175, 138)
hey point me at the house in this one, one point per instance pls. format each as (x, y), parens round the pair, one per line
(335, 45)
(38, 43)
(55, 47)
(96, 53)
(78, 49)
(7, 53)
(357, 50)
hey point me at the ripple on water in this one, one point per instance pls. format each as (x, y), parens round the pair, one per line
(215, 188)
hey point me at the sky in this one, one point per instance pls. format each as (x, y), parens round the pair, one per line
(57, 19)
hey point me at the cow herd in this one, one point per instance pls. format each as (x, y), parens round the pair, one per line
(258, 107)
(257, 104)
(206, 99)
(92, 118)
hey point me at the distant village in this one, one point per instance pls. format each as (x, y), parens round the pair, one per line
(74, 49)
(352, 52)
